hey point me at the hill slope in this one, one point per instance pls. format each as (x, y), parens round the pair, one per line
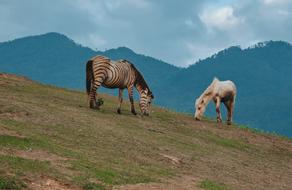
(262, 75)
(50, 139)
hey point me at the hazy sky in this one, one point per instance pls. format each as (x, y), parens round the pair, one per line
(177, 31)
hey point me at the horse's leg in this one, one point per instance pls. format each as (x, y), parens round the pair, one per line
(130, 92)
(92, 95)
(217, 102)
(228, 107)
(231, 109)
(120, 100)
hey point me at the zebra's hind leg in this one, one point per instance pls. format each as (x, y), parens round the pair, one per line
(93, 104)
(120, 101)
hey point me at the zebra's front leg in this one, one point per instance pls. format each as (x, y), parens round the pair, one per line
(120, 101)
(130, 92)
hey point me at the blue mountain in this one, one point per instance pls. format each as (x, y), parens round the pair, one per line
(261, 72)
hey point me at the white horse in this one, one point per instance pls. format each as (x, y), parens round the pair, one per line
(219, 91)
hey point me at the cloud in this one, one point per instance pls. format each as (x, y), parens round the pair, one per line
(275, 2)
(222, 18)
(179, 33)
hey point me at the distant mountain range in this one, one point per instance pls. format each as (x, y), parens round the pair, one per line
(262, 74)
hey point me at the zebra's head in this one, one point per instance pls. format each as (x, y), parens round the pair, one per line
(145, 101)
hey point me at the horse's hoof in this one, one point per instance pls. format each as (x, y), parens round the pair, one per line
(229, 122)
(134, 113)
(119, 111)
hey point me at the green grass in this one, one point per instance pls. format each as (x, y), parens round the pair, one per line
(11, 183)
(101, 149)
(93, 186)
(17, 142)
(228, 143)
(20, 165)
(211, 185)
(262, 132)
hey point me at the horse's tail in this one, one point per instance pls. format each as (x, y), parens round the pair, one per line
(89, 75)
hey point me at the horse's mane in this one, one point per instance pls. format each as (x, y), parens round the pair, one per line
(139, 78)
(210, 87)
(209, 90)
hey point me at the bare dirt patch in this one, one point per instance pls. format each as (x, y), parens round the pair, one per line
(4, 131)
(45, 183)
(174, 160)
(181, 183)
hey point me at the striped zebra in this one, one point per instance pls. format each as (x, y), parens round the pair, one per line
(120, 74)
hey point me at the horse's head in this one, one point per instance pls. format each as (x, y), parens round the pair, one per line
(200, 106)
(145, 101)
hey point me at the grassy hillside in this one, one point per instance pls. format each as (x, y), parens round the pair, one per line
(49, 139)
(261, 73)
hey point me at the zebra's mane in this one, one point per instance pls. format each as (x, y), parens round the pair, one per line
(139, 78)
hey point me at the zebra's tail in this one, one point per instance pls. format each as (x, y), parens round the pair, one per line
(89, 75)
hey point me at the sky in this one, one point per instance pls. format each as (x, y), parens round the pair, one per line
(179, 32)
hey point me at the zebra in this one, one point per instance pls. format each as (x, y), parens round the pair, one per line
(121, 74)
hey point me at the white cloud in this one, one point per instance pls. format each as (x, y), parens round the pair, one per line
(178, 33)
(275, 2)
(284, 12)
(200, 50)
(189, 22)
(222, 18)
(93, 41)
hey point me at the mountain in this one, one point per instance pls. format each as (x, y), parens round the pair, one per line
(263, 78)
(50, 139)
(261, 73)
(55, 59)
(51, 58)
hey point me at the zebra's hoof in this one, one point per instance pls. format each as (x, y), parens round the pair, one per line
(134, 113)
(119, 111)
(99, 102)
(229, 122)
(92, 104)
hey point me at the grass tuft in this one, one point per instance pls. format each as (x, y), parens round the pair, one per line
(93, 186)
(11, 183)
(211, 185)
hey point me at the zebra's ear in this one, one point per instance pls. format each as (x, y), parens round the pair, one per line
(152, 96)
